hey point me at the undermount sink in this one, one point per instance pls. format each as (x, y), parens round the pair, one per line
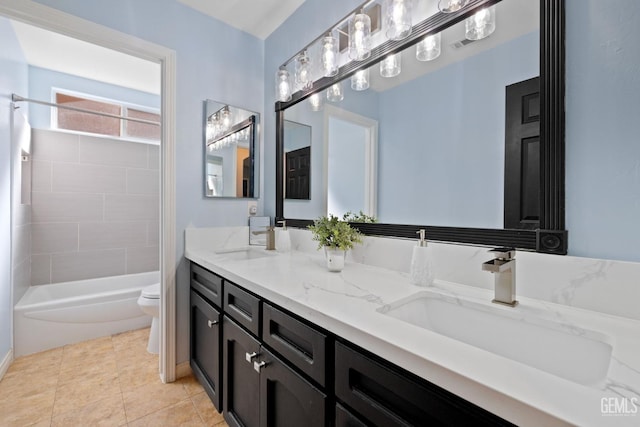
(570, 352)
(245, 253)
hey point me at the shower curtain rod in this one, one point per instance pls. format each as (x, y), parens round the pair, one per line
(18, 98)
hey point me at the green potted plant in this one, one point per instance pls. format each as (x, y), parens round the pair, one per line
(336, 237)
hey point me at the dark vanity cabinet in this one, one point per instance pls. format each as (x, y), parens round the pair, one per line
(279, 370)
(206, 328)
(260, 388)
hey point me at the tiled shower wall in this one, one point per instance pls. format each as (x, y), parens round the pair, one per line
(95, 207)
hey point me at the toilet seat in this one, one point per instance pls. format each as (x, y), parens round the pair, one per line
(151, 291)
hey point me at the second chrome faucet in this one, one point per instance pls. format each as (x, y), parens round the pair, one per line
(503, 266)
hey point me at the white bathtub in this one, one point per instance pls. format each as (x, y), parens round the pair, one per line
(50, 316)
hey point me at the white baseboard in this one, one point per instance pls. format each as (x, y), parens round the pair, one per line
(183, 370)
(6, 362)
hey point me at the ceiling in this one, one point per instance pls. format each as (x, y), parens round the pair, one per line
(50, 50)
(257, 17)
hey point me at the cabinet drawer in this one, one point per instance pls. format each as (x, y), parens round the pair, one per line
(207, 283)
(243, 307)
(301, 345)
(344, 418)
(390, 397)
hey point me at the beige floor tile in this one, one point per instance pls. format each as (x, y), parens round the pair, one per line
(150, 398)
(207, 411)
(134, 376)
(135, 357)
(191, 385)
(44, 361)
(180, 414)
(24, 384)
(76, 394)
(73, 369)
(86, 349)
(44, 423)
(105, 412)
(29, 410)
(132, 339)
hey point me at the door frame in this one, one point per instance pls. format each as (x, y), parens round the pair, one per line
(51, 19)
(370, 156)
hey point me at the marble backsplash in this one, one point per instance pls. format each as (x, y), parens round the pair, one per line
(606, 286)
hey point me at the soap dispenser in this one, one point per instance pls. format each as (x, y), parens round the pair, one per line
(283, 242)
(421, 270)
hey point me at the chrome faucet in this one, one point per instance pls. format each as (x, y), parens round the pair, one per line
(271, 237)
(504, 268)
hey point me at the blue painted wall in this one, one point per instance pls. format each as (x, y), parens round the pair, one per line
(214, 61)
(603, 128)
(42, 81)
(445, 164)
(347, 146)
(12, 80)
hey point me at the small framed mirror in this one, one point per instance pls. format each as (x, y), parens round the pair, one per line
(231, 135)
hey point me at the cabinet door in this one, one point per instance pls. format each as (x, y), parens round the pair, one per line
(205, 346)
(286, 399)
(241, 381)
(389, 397)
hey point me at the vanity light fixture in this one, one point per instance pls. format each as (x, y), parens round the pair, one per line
(391, 65)
(330, 55)
(283, 85)
(315, 101)
(335, 93)
(303, 71)
(398, 18)
(481, 24)
(360, 80)
(428, 48)
(360, 36)
(450, 6)
(225, 119)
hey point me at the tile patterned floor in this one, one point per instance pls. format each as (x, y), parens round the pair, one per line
(109, 381)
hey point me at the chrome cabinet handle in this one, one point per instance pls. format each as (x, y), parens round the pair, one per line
(259, 365)
(250, 356)
(210, 323)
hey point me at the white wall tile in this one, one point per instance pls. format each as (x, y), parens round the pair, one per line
(140, 260)
(87, 265)
(66, 207)
(154, 156)
(21, 279)
(84, 178)
(143, 181)
(53, 145)
(54, 237)
(41, 176)
(119, 207)
(40, 269)
(106, 151)
(112, 235)
(153, 233)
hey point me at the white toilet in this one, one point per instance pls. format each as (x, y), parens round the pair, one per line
(149, 302)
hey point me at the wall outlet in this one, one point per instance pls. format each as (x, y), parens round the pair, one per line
(252, 207)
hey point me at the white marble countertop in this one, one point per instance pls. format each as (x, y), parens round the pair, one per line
(346, 304)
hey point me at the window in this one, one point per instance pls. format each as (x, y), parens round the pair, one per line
(103, 125)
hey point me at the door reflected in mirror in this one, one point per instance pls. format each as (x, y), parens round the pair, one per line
(230, 151)
(297, 160)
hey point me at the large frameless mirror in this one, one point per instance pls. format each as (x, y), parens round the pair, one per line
(230, 151)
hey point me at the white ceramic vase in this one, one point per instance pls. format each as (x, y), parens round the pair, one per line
(335, 258)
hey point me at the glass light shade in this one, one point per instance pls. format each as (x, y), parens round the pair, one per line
(428, 48)
(225, 120)
(283, 85)
(329, 56)
(391, 65)
(360, 80)
(398, 18)
(450, 6)
(303, 71)
(360, 37)
(315, 101)
(481, 24)
(335, 93)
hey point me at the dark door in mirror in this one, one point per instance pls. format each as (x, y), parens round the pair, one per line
(522, 155)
